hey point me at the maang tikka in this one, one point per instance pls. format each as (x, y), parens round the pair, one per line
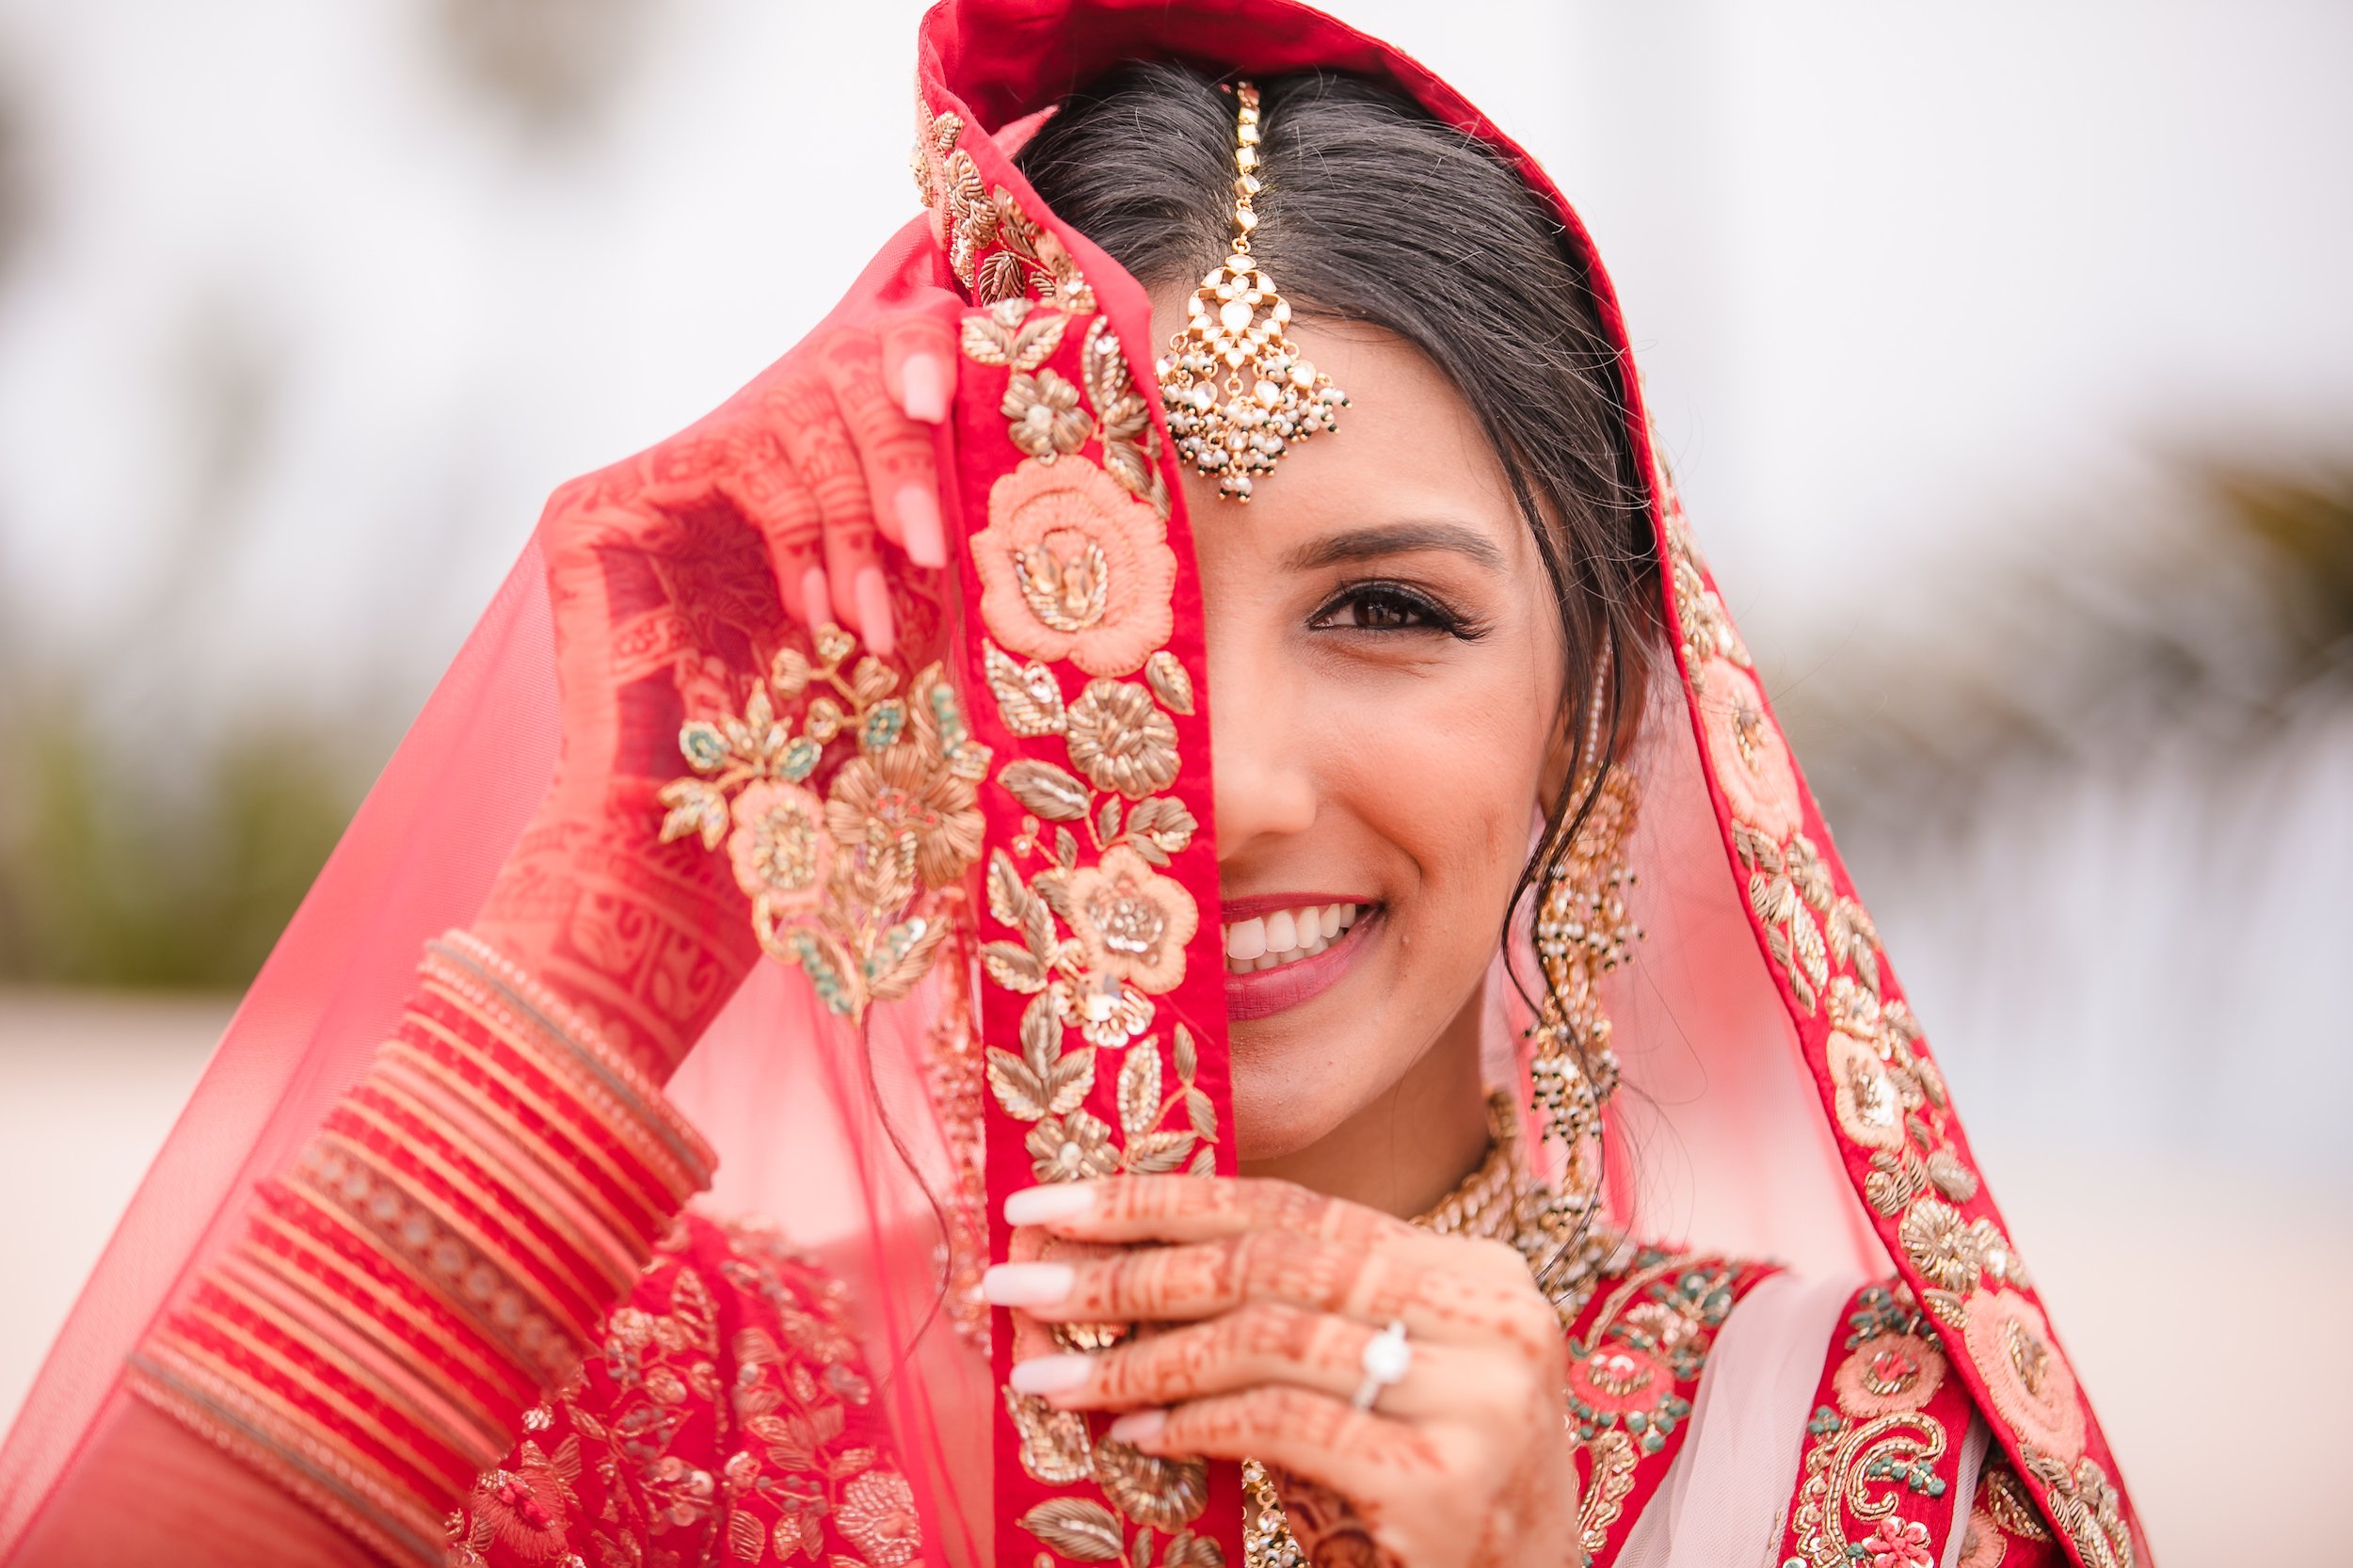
(1235, 334)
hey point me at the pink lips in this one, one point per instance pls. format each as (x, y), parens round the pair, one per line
(1263, 993)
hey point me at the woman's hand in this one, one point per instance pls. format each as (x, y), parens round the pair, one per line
(1272, 1293)
(811, 496)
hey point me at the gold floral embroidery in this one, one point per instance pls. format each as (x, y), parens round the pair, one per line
(1032, 258)
(2085, 1507)
(1073, 567)
(854, 888)
(1120, 741)
(1789, 889)
(1876, 1443)
(1132, 446)
(1046, 420)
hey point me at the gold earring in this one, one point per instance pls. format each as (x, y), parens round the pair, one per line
(1583, 930)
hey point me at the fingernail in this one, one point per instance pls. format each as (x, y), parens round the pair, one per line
(1027, 1283)
(1138, 1426)
(1051, 1374)
(816, 598)
(1040, 1206)
(874, 612)
(923, 388)
(919, 521)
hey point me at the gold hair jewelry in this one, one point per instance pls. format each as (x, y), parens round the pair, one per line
(1234, 329)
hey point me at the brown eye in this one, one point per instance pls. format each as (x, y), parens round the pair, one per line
(1385, 612)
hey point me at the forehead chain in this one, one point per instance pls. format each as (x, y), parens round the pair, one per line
(1237, 389)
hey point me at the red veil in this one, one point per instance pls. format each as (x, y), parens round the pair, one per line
(1751, 1027)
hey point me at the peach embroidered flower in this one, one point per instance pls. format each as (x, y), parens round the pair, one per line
(1752, 762)
(1072, 566)
(1899, 1544)
(1888, 1375)
(781, 850)
(1619, 1380)
(901, 790)
(1981, 1543)
(877, 1513)
(1132, 922)
(1120, 739)
(1871, 1107)
(2028, 1379)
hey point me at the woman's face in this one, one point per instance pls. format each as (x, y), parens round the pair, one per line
(1385, 665)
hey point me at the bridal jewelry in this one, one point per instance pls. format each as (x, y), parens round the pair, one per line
(1501, 1201)
(1234, 332)
(1387, 1359)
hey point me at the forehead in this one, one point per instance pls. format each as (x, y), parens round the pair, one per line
(1408, 447)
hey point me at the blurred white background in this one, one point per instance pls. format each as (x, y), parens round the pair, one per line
(2005, 352)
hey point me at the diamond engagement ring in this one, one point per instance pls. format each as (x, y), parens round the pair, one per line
(1386, 1360)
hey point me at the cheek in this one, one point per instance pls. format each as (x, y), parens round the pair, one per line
(1446, 775)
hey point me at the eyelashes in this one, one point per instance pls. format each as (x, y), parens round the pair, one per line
(1385, 608)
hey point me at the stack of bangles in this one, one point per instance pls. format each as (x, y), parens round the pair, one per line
(445, 1250)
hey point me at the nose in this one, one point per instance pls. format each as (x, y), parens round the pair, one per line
(1264, 787)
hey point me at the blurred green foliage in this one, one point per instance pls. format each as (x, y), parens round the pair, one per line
(111, 875)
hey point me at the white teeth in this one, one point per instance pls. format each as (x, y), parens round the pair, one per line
(1286, 935)
(1246, 940)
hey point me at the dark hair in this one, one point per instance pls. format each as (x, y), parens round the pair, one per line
(1375, 210)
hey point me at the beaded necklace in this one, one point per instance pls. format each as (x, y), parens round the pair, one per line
(1500, 1201)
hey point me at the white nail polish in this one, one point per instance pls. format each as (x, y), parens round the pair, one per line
(1027, 1283)
(924, 385)
(1051, 1374)
(1041, 1205)
(1138, 1426)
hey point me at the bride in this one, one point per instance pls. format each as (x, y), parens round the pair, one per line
(1171, 792)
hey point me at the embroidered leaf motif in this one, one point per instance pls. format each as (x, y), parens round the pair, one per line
(1165, 821)
(1076, 1528)
(1028, 698)
(1107, 820)
(1165, 674)
(1201, 1113)
(1014, 967)
(1188, 1055)
(1000, 278)
(1018, 1089)
(1041, 1036)
(1055, 1445)
(1140, 1087)
(745, 1536)
(1204, 1163)
(1065, 848)
(1049, 792)
(1157, 1153)
(1071, 1081)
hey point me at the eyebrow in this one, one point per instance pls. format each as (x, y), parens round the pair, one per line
(1396, 538)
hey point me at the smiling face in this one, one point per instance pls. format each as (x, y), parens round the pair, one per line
(1387, 660)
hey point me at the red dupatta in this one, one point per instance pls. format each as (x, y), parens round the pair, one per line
(1765, 1025)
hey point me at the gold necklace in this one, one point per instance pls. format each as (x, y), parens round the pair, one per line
(1500, 1201)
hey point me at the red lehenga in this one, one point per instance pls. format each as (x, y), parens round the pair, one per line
(838, 1397)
